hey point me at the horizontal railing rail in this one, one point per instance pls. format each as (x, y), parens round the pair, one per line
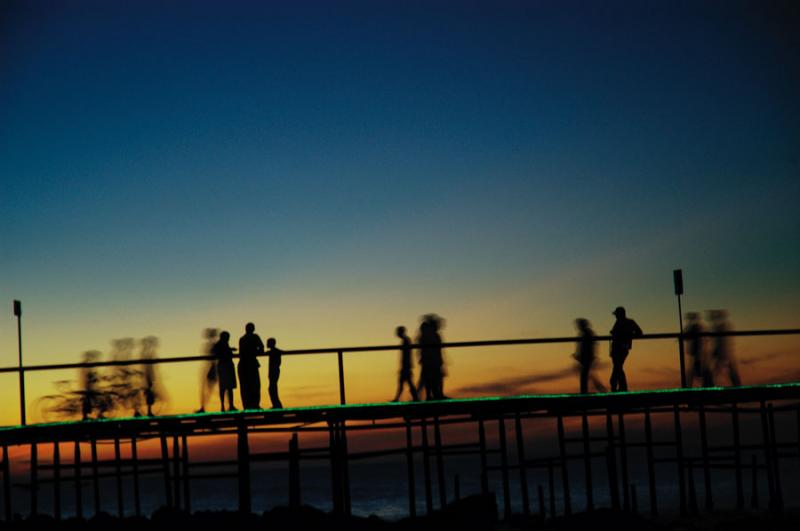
(378, 348)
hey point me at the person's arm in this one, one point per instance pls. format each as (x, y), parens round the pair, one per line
(637, 332)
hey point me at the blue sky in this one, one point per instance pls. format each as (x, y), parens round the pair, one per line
(337, 168)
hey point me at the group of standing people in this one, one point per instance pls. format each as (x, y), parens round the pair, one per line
(220, 370)
(431, 361)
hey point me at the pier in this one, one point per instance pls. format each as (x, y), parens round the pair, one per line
(540, 455)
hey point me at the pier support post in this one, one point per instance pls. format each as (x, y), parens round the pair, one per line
(56, 480)
(77, 477)
(294, 472)
(611, 463)
(501, 425)
(187, 497)
(737, 456)
(679, 458)
(437, 441)
(165, 471)
(768, 465)
(484, 464)
(412, 495)
(6, 484)
(118, 478)
(95, 476)
(243, 455)
(562, 450)
(137, 502)
(709, 503)
(551, 484)
(587, 461)
(426, 467)
(176, 472)
(623, 462)
(34, 479)
(523, 472)
(773, 442)
(651, 468)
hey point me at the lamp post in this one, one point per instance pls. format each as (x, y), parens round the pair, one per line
(18, 313)
(677, 277)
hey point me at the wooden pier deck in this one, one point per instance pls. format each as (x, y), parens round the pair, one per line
(503, 454)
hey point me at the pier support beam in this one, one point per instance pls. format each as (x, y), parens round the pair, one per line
(243, 458)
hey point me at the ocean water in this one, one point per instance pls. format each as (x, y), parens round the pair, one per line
(380, 487)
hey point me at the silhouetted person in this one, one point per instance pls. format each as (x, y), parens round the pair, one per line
(152, 392)
(722, 354)
(274, 372)
(405, 365)
(699, 368)
(585, 355)
(431, 358)
(622, 335)
(208, 376)
(250, 346)
(90, 382)
(223, 352)
(125, 389)
(425, 361)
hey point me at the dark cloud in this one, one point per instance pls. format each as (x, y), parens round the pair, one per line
(518, 385)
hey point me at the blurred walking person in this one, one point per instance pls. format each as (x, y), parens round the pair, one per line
(722, 353)
(585, 356)
(622, 336)
(405, 365)
(226, 375)
(250, 346)
(274, 372)
(699, 369)
(151, 389)
(431, 358)
(208, 376)
(90, 380)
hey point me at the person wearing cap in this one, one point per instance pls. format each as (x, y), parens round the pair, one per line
(622, 335)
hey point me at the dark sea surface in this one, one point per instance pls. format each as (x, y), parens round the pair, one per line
(380, 487)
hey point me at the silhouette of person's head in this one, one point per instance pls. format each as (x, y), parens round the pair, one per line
(582, 324)
(425, 327)
(271, 342)
(224, 337)
(434, 321)
(692, 317)
(211, 333)
(619, 312)
(149, 345)
(91, 356)
(250, 328)
(400, 331)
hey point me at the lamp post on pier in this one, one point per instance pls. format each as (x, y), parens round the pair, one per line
(18, 314)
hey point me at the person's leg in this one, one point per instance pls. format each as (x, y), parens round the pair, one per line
(221, 397)
(400, 381)
(414, 394)
(257, 392)
(623, 380)
(584, 379)
(273, 393)
(614, 375)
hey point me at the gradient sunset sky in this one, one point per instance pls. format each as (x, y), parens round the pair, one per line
(329, 170)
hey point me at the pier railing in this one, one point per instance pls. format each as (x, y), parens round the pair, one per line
(341, 351)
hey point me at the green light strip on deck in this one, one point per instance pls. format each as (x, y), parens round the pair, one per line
(697, 390)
